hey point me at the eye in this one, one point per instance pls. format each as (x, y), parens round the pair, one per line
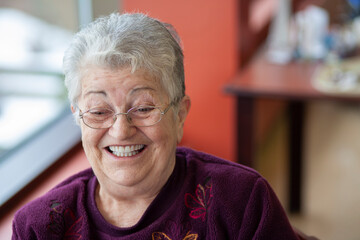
(100, 112)
(142, 111)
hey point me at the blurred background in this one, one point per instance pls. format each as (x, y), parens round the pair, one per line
(39, 143)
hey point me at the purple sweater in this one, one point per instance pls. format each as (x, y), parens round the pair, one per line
(204, 198)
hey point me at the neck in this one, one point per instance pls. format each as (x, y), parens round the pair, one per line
(123, 206)
(125, 212)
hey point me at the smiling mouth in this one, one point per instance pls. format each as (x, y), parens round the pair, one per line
(126, 151)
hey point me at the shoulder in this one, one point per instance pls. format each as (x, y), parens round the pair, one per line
(203, 163)
(66, 192)
(223, 178)
(225, 181)
(46, 211)
(233, 196)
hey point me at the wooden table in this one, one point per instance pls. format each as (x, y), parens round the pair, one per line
(292, 83)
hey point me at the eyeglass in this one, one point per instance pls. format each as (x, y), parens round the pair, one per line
(139, 116)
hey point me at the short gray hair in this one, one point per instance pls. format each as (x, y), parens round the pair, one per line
(127, 40)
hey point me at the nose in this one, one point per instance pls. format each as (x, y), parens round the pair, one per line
(122, 128)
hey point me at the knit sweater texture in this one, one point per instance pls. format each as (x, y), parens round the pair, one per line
(204, 198)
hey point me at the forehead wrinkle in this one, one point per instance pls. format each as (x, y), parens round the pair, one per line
(149, 92)
(151, 88)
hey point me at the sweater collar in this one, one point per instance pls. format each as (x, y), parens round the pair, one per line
(156, 209)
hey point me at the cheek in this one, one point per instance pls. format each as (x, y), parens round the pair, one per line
(166, 134)
(90, 140)
(163, 146)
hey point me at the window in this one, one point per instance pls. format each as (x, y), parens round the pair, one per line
(36, 125)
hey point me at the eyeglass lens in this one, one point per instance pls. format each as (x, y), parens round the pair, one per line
(137, 116)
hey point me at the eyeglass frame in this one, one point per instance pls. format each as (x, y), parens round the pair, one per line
(115, 115)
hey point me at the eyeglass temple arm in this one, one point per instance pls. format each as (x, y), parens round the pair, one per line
(167, 109)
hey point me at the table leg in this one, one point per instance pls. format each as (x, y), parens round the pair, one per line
(296, 116)
(246, 145)
(245, 131)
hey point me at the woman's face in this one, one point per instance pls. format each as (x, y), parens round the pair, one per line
(152, 148)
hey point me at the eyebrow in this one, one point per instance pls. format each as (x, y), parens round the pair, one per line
(135, 90)
(96, 92)
(132, 92)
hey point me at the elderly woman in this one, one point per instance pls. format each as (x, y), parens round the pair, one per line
(125, 79)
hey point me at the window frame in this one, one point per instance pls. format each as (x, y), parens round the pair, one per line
(58, 136)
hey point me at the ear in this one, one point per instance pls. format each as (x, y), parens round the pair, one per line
(76, 116)
(184, 107)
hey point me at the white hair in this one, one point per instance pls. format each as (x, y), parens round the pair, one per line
(126, 40)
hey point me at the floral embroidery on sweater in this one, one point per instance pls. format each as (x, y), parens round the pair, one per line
(175, 232)
(199, 203)
(163, 236)
(64, 223)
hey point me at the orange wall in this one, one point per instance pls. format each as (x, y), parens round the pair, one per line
(208, 29)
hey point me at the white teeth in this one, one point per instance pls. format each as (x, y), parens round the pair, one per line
(126, 151)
